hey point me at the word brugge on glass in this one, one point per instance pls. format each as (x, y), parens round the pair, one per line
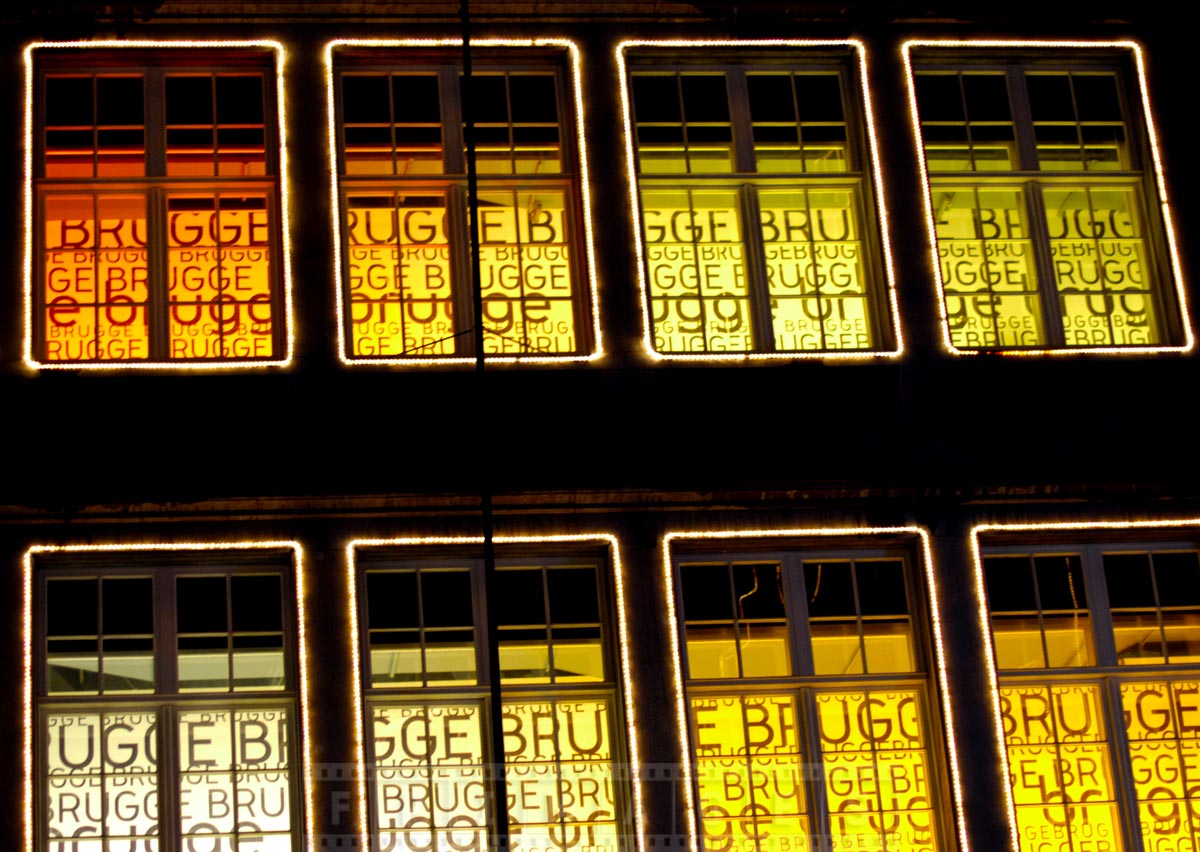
(157, 207)
(1046, 213)
(166, 713)
(401, 155)
(426, 695)
(809, 714)
(1098, 651)
(758, 222)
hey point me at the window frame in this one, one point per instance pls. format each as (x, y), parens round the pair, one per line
(163, 565)
(389, 56)
(1145, 179)
(1090, 541)
(849, 58)
(603, 552)
(793, 548)
(136, 56)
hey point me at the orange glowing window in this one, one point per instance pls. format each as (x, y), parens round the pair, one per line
(1097, 648)
(810, 714)
(157, 196)
(403, 124)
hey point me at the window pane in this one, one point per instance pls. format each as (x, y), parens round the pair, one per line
(73, 633)
(815, 272)
(202, 607)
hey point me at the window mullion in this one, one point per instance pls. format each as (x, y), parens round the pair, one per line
(756, 273)
(1096, 593)
(1044, 263)
(158, 306)
(170, 824)
(1124, 787)
(450, 92)
(155, 116)
(796, 606)
(820, 823)
(459, 237)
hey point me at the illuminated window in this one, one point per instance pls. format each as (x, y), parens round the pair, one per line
(426, 696)
(156, 178)
(758, 218)
(1098, 648)
(1047, 219)
(401, 153)
(809, 710)
(166, 703)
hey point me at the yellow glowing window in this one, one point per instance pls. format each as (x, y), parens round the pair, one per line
(757, 214)
(426, 688)
(166, 703)
(402, 124)
(1045, 208)
(808, 706)
(157, 207)
(1097, 649)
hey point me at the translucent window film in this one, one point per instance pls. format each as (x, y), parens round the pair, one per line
(430, 776)
(528, 274)
(1039, 608)
(1077, 121)
(1154, 600)
(230, 633)
(751, 772)
(988, 267)
(216, 125)
(798, 122)
(391, 124)
(877, 769)
(735, 618)
(235, 778)
(549, 627)
(858, 617)
(95, 274)
(102, 779)
(421, 627)
(94, 126)
(219, 268)
(699, 293)
(966, 122)
(1162, 723)
(559, 773)
(1060, 766)
(99, 635)
(682, 123)
(1102, 267)
(400, 284)
(815, 269)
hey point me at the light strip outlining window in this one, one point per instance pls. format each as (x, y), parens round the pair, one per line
(1135, 49)
(575, 75)
(284, 193)
(351, 556)
(306, 699)
(985, 622)
(935, 622)
(635, 202)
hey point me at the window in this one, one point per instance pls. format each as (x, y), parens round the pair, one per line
(166, 701)
(758, 219)
(1049, 224)
(407, 291)
(1098, 651)
(157, 232)
(426, 695)
(808, 706)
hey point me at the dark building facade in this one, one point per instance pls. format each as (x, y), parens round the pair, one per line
(800, 455)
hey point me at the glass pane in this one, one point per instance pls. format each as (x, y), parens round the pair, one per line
(257, 603)
(450, 657)
(712, 652)
(1178, 578)
(72, 615)
(830, 590)
(258, 663)
(1102, 267)
(987, 267)
(202, 605)
(446, 599)
(400, 275)
(523, 595)
(396, 658)
(95, 296)
(815, 270)
(836, 648)
(706, 593)
(574, 597)
(392, 599)
(696, 267)
(527, 269)
(220, 277)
